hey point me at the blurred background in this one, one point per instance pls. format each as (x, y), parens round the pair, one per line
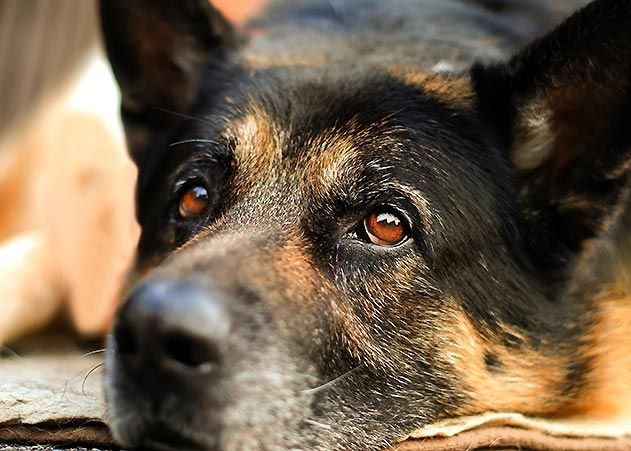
(67, 230)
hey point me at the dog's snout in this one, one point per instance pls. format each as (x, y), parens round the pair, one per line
(170, 323)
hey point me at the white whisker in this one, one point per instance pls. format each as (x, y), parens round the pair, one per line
(96, 351)
(186, 141)
(310, 391)
(318, 424)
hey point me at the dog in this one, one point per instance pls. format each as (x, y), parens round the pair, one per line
(362, 217)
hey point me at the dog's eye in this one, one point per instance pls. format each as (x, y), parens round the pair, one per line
(193, 202)
(385, 228)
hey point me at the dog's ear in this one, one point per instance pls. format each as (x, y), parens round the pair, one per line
(159, 51)
(563, 108)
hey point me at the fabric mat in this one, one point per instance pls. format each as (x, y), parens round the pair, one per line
(53, 400)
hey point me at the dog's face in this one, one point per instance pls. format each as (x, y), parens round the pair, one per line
(340, 254)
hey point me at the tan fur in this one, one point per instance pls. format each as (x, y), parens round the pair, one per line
(333, 167)
(257, 150)
(527, 381)
(534, 136)
(294, 265)
(454, 91)
(257, 61)
(608, 349)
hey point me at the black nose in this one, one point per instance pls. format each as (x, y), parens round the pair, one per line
(172, 324)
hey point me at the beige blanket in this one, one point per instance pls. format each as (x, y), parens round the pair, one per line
(511, 430)
(54, 399)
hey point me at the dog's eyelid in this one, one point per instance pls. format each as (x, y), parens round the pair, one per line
(398, 204)
(383, 226)
(186, 181)
(201, 169)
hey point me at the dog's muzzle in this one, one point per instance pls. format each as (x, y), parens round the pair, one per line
(172, 327)
(169, 347)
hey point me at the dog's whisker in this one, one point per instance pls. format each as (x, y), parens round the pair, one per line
(317, 423)
(328, 384)
(183, 116)
(85, 379)
(4, 350)
(96, 351)
(336, 9)
(67, 384)
(186, 141)
(78, 373)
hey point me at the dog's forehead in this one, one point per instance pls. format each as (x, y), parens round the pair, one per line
(319, 158)
(322, 130)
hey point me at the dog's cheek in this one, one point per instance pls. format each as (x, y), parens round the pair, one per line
(387, 328)
(267, 405)
(387, 307)
(604, 390)
(494, 375)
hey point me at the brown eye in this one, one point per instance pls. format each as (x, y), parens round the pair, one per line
(384, 228)
(193, 202)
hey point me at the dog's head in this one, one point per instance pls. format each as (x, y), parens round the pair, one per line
(342, 251)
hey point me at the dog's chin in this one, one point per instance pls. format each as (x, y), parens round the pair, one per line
(134, 427)
(160, 437)
(137, 433)
(188, 416)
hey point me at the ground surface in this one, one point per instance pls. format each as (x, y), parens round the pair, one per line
(43, 448)
(51, 397)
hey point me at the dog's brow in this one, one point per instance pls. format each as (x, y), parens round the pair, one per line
(259, 145)
(344, 182)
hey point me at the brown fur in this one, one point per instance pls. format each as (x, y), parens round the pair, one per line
(607, 392)
(454, 91)
(526, 380)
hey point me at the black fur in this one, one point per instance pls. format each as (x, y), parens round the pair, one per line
(501, 169)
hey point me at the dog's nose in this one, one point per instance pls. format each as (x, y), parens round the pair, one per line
(172, 324)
